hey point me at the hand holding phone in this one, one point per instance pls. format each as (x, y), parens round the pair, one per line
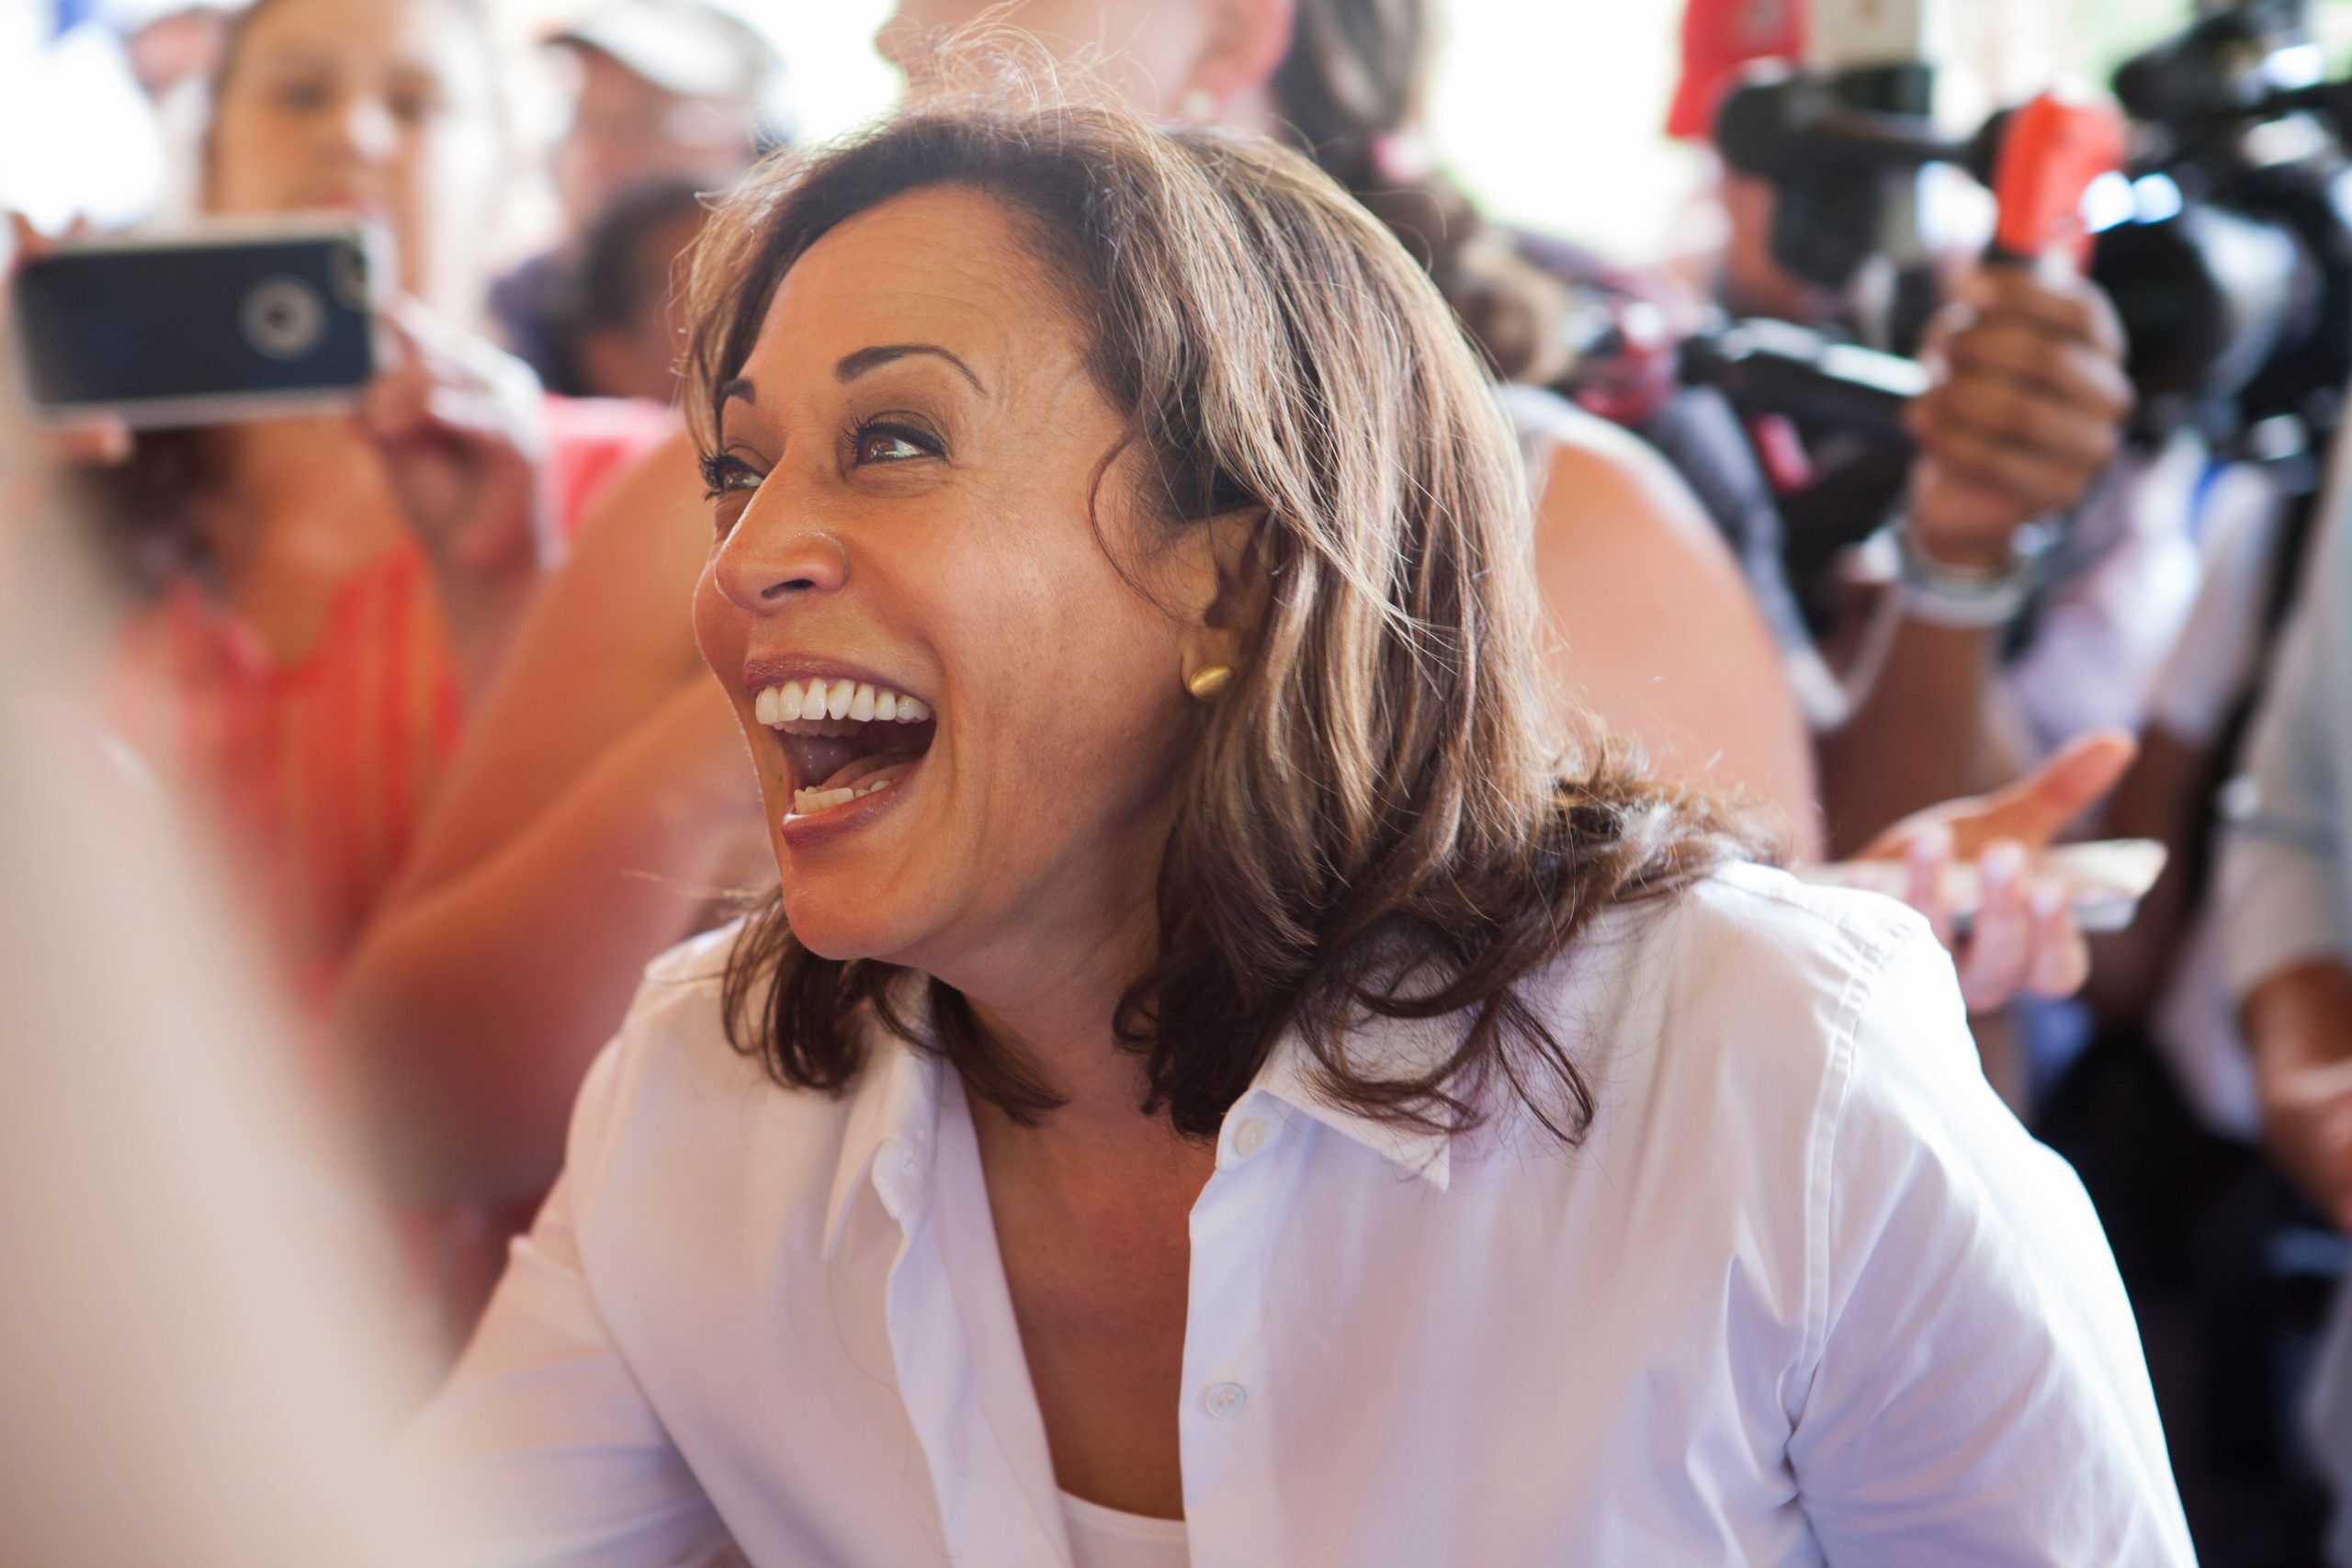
(232, 321)
(461, 428)
(97, 440)
(2101, 882)
(2020, 936)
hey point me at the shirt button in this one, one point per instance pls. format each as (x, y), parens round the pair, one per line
(1250, 1137)
(1225, 1400)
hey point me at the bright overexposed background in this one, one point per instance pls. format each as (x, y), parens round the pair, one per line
(1550, 110)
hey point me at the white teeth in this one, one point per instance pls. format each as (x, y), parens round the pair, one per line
(836, 703)
(808, 802)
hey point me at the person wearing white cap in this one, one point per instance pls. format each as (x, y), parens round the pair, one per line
(660, 91)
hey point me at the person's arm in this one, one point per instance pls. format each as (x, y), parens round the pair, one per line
(604, 642)
(580, 832)
(1978, 1396)
(474, 1004)
(2024, 418)
(2299, 1024)
(1654, 630)
(543, 1447)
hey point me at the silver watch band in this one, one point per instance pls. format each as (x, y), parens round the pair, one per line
(1972, 600)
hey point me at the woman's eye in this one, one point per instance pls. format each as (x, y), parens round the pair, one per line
(303, 97)
(413, 97)
(724, 475)
(891, 444)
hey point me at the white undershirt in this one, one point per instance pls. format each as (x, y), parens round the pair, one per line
(1105, 1538)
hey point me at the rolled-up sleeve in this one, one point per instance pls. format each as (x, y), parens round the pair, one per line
(2282, 873)
(543, 1450)
(1979, 1395)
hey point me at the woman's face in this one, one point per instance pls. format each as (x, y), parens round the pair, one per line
(383, 109)
(903, 484)
(1151, 47)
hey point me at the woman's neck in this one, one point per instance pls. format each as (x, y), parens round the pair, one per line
(284, 473)
(1046, 984)
(303, 507)
(1060, 1016)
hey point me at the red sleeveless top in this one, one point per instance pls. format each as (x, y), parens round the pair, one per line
(318, 772)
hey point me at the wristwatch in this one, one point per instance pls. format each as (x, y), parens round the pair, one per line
(1971, 598)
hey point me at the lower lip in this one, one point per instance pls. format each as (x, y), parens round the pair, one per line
(827, 827)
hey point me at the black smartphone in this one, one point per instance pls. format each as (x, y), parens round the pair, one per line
(236, 320)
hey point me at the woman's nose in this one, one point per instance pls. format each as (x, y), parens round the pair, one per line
(762, 569)
(368, 128)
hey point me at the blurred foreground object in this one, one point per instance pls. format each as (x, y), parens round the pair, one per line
(195, 1352)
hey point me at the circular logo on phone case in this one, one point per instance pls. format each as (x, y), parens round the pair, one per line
(284, 317)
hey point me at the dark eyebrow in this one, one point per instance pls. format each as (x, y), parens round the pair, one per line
(739, 387)
(849, 366)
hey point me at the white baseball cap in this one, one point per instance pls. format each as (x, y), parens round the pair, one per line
(687, 47)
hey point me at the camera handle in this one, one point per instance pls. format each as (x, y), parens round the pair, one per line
(2051, 150)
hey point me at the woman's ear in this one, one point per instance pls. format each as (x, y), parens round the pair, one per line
(1222, 577)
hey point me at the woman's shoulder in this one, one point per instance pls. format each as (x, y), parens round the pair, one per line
(1748, 1043)
(1756, 932)
(1746, 914)
(1746, 991)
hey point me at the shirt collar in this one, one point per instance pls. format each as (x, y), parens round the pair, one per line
(894, 1110)
(1386, 1046)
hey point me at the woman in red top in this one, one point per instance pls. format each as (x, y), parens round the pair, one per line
(321, 592)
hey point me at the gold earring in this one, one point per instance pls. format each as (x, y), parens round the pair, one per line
(1209, 679)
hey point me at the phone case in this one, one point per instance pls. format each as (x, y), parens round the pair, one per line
(235, 320)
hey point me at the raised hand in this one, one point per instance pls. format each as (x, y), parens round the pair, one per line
(2027, 410)
(2024, 940)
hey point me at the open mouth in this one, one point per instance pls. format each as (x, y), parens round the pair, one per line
(844, 739)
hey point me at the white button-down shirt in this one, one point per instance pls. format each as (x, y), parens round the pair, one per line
(1806, 1293)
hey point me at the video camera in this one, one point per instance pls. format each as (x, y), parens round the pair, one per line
(2226, 245)
(2233, 272)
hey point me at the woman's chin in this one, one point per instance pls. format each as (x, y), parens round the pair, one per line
(832, 929)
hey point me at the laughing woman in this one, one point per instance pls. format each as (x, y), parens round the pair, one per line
(1217, 1087)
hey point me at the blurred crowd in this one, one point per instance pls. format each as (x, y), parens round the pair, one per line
(425, 672)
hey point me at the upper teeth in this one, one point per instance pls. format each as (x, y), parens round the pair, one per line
(822, 699)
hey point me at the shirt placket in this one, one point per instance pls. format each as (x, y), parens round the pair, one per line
(1224, 1421)
(986, 1513)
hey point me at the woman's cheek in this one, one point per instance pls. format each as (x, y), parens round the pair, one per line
(717, 632)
